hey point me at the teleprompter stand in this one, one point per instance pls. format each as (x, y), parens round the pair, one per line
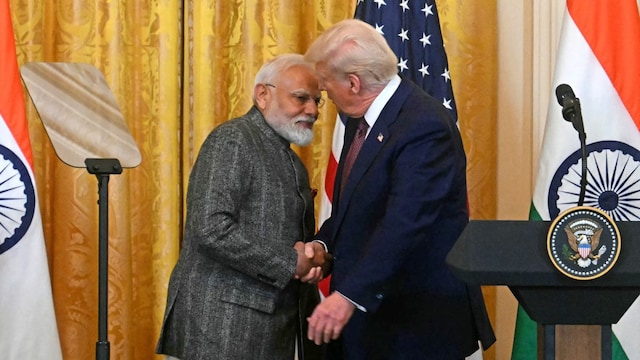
(574, 316)
(102, 168)
(86, 128)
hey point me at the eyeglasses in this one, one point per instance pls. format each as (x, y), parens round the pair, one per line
(303, 98)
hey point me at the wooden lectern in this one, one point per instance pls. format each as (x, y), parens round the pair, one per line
(574, 316)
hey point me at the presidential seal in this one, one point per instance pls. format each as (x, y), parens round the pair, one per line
(583, 243)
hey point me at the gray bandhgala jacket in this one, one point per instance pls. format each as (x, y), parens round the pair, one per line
(231, 294)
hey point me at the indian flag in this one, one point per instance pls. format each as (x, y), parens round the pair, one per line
(27, 321)
(599, 58)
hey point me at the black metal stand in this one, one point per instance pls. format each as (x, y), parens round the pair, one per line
(102, 168)
(549, 342)
(605, 342)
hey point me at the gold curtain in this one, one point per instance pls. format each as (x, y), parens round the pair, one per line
(178, 69)
(469, 29)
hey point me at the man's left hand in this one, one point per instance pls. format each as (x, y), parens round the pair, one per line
(329, 318)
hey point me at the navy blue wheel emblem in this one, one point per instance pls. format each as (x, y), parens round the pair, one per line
(613, 181)
(17, 199)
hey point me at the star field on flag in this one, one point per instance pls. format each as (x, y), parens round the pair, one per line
(412, 29)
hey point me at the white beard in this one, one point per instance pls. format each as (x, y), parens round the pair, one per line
(296, 135)
(290, 130)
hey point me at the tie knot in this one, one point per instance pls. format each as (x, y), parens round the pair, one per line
(362, 125)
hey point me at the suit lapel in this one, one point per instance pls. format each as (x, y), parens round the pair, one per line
(379, 135)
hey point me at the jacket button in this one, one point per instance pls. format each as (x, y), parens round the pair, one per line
(379, 296)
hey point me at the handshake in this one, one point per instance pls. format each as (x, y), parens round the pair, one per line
(313, 263)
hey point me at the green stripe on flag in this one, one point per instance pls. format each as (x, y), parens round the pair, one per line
(525, 341)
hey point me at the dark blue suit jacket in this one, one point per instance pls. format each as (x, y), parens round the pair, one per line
(400, 212)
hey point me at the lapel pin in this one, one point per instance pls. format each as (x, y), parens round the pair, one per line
(380, 137)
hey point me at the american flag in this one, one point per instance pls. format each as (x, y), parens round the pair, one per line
(412, 29)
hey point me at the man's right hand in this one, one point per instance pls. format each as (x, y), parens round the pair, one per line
(311, 259)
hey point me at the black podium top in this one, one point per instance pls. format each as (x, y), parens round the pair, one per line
(514, 253)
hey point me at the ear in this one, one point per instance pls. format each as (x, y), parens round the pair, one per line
(262, 96)
(354, 83)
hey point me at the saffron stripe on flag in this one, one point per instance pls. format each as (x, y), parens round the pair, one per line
(617, 53)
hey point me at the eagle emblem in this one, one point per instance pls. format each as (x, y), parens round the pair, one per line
(583, 243)
(583, 237)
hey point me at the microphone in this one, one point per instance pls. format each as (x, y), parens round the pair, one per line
(570, 106)
(571, 112)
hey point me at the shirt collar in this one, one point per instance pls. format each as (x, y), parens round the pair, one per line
(372, 114)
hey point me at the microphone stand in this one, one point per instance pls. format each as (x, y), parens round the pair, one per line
(583, 180)
(573, 114)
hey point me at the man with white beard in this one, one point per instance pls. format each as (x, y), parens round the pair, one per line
(247, 261)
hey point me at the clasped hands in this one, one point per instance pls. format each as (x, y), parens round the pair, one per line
(313, 260)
